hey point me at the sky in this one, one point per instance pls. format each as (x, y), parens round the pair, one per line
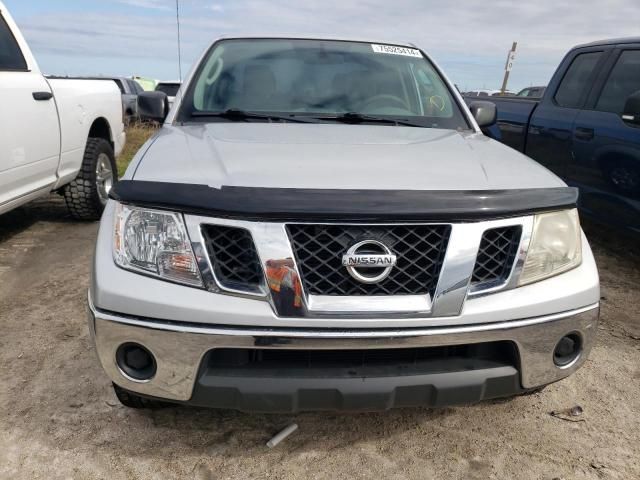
(469, 39)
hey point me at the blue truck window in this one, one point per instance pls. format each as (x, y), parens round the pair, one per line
(623, 81)
(577, 80)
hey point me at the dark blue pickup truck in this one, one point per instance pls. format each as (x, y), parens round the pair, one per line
(586, 128)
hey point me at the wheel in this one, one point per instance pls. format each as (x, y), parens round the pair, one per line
(377, 101)
(524, 393)
(533, 391)
(87, 194)
(625, 177)
(130, 399)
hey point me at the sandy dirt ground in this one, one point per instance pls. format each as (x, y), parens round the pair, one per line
(60, 419)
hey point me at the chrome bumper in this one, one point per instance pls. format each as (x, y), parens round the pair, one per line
(180, 348)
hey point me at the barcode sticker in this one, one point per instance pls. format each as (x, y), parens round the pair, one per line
(393, 50)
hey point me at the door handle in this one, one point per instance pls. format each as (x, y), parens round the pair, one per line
(582, 133)
(42, 95)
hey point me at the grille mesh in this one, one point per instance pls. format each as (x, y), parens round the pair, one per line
(498, 249)
(233, 256)
(419, 249)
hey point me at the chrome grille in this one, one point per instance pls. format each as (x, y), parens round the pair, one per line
(420, 251)
(234, 257)
(498, 250)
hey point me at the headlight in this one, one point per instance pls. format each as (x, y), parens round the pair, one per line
(556, 246)
(154, 242)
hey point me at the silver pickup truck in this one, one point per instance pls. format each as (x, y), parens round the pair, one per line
(320, 224)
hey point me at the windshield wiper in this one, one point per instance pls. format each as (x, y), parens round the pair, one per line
(238, 115)
(354, 117)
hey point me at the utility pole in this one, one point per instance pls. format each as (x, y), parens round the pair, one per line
(179, 50)
(507, 68)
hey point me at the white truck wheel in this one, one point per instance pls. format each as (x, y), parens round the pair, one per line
(87, 194)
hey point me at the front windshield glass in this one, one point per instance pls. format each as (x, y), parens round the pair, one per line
(320, 79)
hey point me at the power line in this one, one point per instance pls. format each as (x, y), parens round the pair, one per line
(179, 49)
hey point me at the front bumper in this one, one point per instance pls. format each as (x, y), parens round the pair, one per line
(180, 349)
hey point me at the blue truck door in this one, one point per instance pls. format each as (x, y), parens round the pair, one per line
(549, 138)
(606, 149)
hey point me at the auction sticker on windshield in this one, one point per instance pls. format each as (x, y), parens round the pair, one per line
(393, 50)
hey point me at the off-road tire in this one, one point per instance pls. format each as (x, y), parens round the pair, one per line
(81, 195)
(130, 399)
(533, 391)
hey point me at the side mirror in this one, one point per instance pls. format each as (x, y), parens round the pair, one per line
(153, 106)
(485, 113)
(631, 112)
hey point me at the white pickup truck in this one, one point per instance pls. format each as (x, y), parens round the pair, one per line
(55, 134)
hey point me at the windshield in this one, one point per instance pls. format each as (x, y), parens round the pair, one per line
(171, 89)
(320, 79)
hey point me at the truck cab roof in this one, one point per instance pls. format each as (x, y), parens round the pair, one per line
(319, 36)
(611, 41)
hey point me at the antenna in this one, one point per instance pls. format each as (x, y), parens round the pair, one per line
(179, 49)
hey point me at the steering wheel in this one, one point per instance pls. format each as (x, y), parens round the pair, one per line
(384, 100)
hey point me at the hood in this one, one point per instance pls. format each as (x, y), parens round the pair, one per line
(337, 156)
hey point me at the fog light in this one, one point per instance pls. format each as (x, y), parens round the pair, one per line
(567, 350)
(135, 361)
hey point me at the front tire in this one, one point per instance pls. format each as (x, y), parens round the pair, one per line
(625, 177)
(130, 399)
(87, 194)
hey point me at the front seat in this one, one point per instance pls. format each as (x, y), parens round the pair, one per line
(259, 88)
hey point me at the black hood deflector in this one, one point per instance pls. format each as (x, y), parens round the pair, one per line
(292, 204)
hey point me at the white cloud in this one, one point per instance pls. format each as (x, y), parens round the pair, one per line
(469, 38)
(152, 4)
